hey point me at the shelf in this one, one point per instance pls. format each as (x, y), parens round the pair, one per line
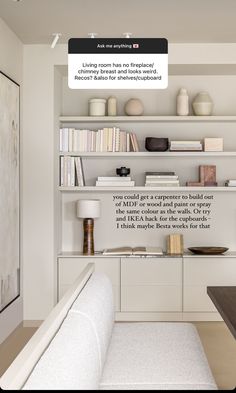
(151, 154)
(77, 254)
(147, 189)
(146, 119)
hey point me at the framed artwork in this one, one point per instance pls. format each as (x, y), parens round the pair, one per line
(9, 191)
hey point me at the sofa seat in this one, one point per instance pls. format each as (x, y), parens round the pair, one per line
(158, 356)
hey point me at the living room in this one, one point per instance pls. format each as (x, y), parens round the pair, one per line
(122, 156)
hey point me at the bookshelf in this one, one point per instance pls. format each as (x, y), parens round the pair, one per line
(150, 154)
(185, 164)
(152, 121)
(147, 119)
(146, 189)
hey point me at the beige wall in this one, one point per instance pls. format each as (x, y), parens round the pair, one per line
(40, 197)
(11, 63)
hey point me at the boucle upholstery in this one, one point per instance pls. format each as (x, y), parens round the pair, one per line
(156, 355)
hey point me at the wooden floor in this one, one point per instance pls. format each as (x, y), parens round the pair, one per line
(218, 343)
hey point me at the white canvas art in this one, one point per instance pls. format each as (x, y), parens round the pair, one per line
(9, 191)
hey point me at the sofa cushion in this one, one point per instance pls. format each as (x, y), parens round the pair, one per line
(71, 362)
(158, 356)
(95, 303)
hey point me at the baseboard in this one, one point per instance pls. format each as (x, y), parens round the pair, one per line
(29, 323)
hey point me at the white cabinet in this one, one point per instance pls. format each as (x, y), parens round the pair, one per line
(200, 272)
(151, 285)
(70, 268)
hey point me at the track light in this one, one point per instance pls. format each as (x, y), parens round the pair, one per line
(55, 39)
(92, 35)
(127, 35)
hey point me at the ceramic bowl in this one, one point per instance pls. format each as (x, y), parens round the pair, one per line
(156, 144)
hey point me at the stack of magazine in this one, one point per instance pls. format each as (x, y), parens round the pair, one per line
(161, 179)
(114, 181)
(185, 146)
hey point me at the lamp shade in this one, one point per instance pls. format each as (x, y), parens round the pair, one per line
(88, 208)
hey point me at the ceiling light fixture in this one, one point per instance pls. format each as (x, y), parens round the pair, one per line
(55, 39)
(127, 35)
(92, 35)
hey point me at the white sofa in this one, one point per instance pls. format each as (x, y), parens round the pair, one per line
(84, 349)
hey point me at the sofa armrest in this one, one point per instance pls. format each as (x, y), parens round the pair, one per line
(16, 375)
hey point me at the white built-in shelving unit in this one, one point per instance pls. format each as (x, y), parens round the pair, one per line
(145, 154)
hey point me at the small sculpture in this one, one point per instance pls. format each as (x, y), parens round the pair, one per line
(134, 107)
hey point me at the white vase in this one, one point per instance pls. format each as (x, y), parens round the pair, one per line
(202, 104)
(111, 106)
(134, 107)
(182, 103)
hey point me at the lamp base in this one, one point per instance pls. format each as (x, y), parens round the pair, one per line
(88, 247)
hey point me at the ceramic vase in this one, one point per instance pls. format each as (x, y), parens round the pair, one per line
(134, 107)
(182, 104)
(202, 104)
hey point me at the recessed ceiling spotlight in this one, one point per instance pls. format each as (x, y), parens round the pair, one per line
(16, 1)
(55, 39)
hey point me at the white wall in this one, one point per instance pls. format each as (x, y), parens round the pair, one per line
(11, 63)
(39, 248)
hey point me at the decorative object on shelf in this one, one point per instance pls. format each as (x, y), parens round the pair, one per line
(134, 107)
(112, 106)
(207, 177)
(88, 209)
(182, 103)
(156, 144)
(213, 144)
(230, 183)
(202, 104)
(97, 107)
(123, 171)
(175, 244)
(161, 179)
(185, 146)
(208, 250)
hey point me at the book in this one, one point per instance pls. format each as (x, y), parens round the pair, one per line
(80, 181)
(115, 183)
(114, 178)
(175, 177)
(175, 244)
(133, 251)
(160, 174)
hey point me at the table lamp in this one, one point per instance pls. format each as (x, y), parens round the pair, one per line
(88, 209)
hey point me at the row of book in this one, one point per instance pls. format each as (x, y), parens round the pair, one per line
(105, 140)
(161, 179)
(115, 181)
(71, 172)
(186, 146)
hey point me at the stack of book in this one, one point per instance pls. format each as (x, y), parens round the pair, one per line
(105, 140)
(230, 183)
(161, 179)
(114, 181)
(185, 146)
(71, 172)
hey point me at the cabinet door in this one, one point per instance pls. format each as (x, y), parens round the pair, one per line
(70, 268)
(151, 284)
(202, 272)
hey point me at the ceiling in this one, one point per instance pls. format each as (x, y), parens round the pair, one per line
(208, 21)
